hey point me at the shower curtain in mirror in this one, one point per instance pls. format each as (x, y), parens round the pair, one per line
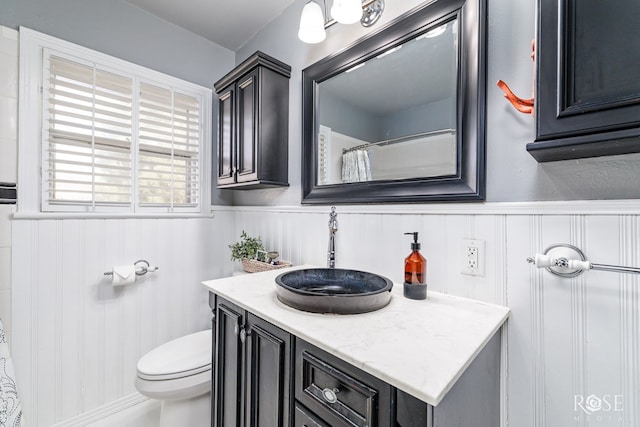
(10, 408)
(356, 166)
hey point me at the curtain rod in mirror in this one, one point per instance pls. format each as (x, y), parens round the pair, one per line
(399, 139)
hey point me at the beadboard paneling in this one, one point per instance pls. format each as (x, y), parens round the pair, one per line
(79, 337)
(566, 337)
(8, 164)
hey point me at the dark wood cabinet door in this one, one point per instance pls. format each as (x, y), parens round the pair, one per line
(228, 378)
(305, 418)
(226, 136)
(267, 371)
(254, 124)
(588, 92)
(247, 128)
(214, 328)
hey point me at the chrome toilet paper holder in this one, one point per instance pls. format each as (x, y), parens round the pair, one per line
(141, 269)
(566, 260)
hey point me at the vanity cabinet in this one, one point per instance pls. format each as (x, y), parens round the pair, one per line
(266, 376)
(251, 375)
(588, 94)
(253, 124)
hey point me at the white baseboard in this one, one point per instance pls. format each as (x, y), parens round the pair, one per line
(100, 416)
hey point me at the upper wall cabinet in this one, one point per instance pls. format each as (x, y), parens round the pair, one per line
(253, 124)
(588, 90)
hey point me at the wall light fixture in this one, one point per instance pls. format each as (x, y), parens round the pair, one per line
(313, 23)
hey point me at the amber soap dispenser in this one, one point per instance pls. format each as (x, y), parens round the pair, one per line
(415, 271)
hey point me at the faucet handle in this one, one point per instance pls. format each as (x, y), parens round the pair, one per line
(333, 221)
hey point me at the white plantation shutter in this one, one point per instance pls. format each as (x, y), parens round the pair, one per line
(113, 141)
(87, 129)
(168, 147)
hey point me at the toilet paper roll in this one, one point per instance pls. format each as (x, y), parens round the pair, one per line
(124, 275)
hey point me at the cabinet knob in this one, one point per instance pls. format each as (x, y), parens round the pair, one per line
(329, 394)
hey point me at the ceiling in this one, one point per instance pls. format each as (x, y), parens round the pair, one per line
(229, 23)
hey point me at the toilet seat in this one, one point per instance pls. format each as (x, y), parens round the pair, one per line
(178, 374)
(176, 389)
(179, 369)
(183, 357)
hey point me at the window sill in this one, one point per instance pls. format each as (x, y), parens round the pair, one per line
(107, 215)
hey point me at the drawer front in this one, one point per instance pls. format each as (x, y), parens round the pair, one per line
(305, 418)
(339, 393)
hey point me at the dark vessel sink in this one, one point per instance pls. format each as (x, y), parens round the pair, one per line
(333, 290)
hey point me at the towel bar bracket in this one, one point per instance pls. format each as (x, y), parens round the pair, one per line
(565, 260)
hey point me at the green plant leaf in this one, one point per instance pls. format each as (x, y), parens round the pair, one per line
(246, 247)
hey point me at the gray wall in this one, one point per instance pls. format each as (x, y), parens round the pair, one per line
(119, 29)
(347, 119)
(423, 118)
(512, 174)
(122, 30)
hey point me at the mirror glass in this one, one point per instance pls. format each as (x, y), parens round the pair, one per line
(393, 116)
(399, 116)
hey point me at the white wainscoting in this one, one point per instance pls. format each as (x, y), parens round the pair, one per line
(567, 339)
(77, 339)
(8, 162)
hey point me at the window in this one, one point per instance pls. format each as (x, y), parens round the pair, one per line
(168, 147)
(87, 133)
(116, 137)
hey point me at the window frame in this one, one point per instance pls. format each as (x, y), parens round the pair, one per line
(33, 197)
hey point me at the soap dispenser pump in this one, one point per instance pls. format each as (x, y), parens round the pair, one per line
(415, 271)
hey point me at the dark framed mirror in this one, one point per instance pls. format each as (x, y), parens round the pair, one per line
(399, 116)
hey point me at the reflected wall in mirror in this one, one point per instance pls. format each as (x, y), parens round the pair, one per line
(392, 117)
(399, 116)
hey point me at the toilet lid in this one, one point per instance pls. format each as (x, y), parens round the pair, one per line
(184, 356)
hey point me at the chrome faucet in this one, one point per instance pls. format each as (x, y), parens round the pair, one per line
(333, 227)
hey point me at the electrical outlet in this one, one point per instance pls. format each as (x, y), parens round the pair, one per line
(472, 254)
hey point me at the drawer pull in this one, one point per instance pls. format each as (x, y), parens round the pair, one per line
(329, 395)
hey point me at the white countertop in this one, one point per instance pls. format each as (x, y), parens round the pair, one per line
(419, 346)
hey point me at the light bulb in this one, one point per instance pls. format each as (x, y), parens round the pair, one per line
(311, 24)
(436, 31)
(346, 11)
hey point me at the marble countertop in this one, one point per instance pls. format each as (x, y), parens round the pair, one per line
(419, 346)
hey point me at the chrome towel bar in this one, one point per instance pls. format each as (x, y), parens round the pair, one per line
(565, 260)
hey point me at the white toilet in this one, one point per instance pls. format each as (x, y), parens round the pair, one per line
(179, 374)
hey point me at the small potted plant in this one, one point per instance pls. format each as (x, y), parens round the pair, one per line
(247, 250)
